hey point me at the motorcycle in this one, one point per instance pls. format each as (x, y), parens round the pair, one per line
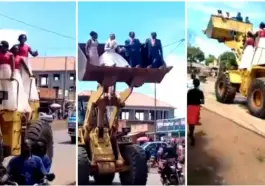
(45, 181)
(171, 172)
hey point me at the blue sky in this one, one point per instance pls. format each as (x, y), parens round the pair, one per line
(54, 16)
(165, 18)
(199, 14)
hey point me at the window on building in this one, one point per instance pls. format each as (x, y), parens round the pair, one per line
(159, 114)
(43, 80)
(124, 115)
(72, 88)
(139, 115)
(56, 77)
(72, 76)
(151, 115)
(166, 115)
(56, 91)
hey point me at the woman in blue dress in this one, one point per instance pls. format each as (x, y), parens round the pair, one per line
(133, 50)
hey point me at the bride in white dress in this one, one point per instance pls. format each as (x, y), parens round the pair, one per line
(110, 57)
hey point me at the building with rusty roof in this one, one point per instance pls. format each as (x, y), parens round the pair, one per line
(56, 73)
(139, 111)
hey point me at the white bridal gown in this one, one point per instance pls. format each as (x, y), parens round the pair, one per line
(110, 57)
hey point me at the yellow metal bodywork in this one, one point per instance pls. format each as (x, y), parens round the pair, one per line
(102, 155)
(11, 128)
(11, 131)
(232, 33)
(35, 105)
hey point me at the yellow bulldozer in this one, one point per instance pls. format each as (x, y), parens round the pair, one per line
(16, 126)
(250, 81)
(102, 149)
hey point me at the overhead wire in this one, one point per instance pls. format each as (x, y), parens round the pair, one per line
(37, 27)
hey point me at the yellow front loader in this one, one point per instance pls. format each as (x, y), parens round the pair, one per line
(15, 126)
(102, 149)
(249, 82)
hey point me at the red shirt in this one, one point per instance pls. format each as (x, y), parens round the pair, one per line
(5, 58)
(250, 41)
(18, 61)
(23, 50)
(261, 33)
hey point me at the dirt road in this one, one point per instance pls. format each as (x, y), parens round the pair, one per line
(225, 154)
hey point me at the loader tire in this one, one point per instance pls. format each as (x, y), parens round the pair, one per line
(83, 167)
(225, 92)
(256, 98)
(41, 131)
(134, 156)
(104, 179)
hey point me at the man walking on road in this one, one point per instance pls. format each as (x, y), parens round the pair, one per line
(195, 98)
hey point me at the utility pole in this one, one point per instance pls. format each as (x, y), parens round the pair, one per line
(64, 84)
(155, 113)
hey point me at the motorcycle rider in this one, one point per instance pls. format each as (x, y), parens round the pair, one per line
(42, 153)
(26, 169)
(164, 164)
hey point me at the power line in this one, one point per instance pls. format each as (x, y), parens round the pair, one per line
(36, 27)
(178, 41)
(181, 41)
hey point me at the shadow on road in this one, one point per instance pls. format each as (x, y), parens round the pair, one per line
(202, 167)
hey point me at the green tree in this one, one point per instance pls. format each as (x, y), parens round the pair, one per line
(210, 59)
(195, 54)
(229, 60)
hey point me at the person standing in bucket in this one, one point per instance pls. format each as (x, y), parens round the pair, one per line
(133, 50)
(195, 98)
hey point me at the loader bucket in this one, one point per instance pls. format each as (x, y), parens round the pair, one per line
(222, 29)
(108, 76)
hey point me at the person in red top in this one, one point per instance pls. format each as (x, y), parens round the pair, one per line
(23, 104)
(248, 52)
(7, 65)
(260, 33)
(23, 49)
(28, 81)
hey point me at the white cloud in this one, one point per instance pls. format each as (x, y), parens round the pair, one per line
(172, 89)
(209, 46)
(10, 35)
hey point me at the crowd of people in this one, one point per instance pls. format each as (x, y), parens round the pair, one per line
(237, 18)
(132, 50)
(15, 71)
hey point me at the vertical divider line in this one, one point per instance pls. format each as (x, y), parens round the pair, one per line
(186, 128)
(76, 85)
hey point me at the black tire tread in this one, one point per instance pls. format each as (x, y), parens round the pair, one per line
(83, 166)
(134, 155)
(41, 131)
(258, 83)
(229, 92)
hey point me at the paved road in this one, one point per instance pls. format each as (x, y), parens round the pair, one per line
(64, 161)
(225, 154)
(153, 178)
